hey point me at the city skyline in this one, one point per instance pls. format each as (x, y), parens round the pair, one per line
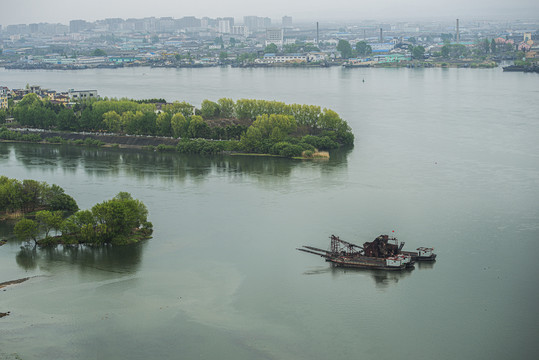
(62, 11)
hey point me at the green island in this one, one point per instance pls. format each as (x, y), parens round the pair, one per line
(42, 209)
(226, 126)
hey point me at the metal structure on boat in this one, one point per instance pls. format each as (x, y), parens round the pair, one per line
(383, 253)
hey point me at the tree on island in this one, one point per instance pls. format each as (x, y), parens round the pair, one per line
(26, 229)
(29, 195)
(225, 120)
(121, 220)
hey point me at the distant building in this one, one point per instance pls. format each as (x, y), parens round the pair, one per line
(4, 91)
(165, 25)
(382, 47)
(274, 36)
(188, 22)
(77, 95)
(282, 58)
(76, 26)
(287, 22)
(224, 26)
(255, 23)
(239, 30)
(92, 60)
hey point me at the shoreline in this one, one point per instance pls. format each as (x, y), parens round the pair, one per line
(13, 282)
(135, 142)
(469, 63)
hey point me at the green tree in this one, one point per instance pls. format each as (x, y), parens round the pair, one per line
(363, 49)
(67, 120)
(26, 229)
(198, 128)
(99, 52)
(209, 109)
(226, 107)
(163, 124)
(344, 48)
(223, 56)
(3, 116)
(446, 38)
(179, 125)
(119, 217)
(485, 46)
(31, 195)
(179, 107)
(49, 220)
(418, 52)
(271, 49)
(112, 121)
(493, 48)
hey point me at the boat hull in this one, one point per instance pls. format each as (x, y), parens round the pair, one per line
(363, 262)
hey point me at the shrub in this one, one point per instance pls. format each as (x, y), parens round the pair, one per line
(55, 140)
(163, 147)
(286, 149)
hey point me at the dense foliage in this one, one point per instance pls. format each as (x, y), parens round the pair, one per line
(31, 195)
(259, 124)
(118, 221)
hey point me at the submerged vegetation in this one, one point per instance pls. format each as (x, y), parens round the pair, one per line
(44, 208)
(119, 221)
(251, 126)
(27, 196)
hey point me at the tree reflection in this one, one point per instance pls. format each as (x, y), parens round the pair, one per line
(27, 257)
(143, 164)
(115, 259)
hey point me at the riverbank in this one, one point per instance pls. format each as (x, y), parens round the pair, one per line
(108, 140)
(141, 142)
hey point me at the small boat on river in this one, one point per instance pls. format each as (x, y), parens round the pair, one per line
(383, 253)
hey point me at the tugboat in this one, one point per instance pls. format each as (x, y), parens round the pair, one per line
(383, 253)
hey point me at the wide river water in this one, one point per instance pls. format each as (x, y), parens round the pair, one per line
(447, 158)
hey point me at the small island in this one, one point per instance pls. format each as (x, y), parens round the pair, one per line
(244, 126)
(44, 209)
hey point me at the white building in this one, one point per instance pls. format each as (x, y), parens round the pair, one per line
(274, 36)
(287, 22)
(240, 30)
(285, 58)
(77, 95)
(316, 56)
(225, 26)
(92, 60)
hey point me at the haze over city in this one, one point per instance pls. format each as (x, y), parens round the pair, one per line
(61, 11)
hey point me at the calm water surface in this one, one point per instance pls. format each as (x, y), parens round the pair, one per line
(447, 158)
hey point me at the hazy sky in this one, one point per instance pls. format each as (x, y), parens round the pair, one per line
(53, 11)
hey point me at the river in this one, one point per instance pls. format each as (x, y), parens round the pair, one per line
(447, 158)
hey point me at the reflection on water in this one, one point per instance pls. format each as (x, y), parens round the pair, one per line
(424, 265)
(119, 259)
(100, 162)
(382, 278)
(6, 229)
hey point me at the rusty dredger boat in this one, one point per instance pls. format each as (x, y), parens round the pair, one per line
(383, 253)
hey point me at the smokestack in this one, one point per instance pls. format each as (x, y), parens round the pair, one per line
(458, 32)
(317, 35)
(381, 36)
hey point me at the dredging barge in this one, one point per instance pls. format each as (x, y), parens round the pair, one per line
(383, 253)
